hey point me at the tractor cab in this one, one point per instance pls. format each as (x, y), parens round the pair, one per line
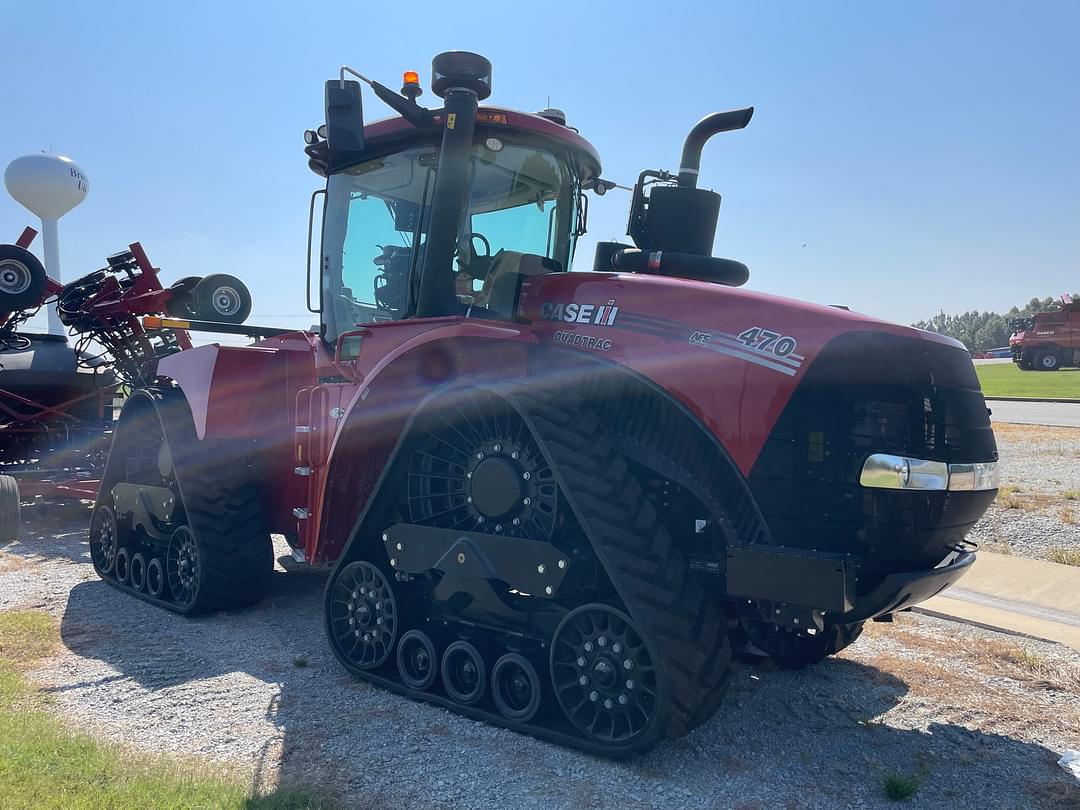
(516, 208)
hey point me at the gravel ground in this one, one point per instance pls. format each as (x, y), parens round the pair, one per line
(1038, 508)
(978, 718)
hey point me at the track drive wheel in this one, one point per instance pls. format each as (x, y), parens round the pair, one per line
(10, 515)
(363, 616)
(795, 649)
(606, 677)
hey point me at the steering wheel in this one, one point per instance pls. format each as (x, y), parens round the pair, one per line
(468, 240)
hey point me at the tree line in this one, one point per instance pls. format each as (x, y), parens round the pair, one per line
(980, 331)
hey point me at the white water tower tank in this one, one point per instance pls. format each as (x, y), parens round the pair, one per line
(48, 186)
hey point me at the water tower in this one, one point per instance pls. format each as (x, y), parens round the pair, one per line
(48, 186)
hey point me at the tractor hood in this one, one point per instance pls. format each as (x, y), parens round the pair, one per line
(736, 357)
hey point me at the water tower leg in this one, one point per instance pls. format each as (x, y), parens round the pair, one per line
(51, 248)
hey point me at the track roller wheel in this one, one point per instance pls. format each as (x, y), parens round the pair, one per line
(183, 567)
(103, 540)
(795, 649)
(363, 615)
(416, 660)
(605, 677)
(137, 571)
(463, 672)
(122, 567)
(155, 578)
(515, 686)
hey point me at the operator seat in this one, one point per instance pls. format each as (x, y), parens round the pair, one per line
(503, 283)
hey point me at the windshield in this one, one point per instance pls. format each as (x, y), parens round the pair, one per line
(522, 218)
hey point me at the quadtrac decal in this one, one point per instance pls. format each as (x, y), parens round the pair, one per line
(573, 312)
(763, 347)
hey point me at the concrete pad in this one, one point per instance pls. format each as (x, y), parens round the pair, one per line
(996, 618)
(1020, 579)
(1018, 595)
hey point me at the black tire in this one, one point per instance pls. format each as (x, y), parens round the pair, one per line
(122, 568)
(464, 675)
(1026, 364)
(1047, 360)
(515, 687)
(22, 279)
(10, 511)
(417, 661)
(796, 649)
(221, 298)
(155, 578)
(181, 303)
(137, 571)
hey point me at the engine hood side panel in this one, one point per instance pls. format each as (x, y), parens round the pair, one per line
(733, 357)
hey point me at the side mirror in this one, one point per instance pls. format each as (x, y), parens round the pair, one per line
(344, 123)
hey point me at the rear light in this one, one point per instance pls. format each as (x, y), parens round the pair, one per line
(886, 471)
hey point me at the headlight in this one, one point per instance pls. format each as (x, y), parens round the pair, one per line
(886, 471)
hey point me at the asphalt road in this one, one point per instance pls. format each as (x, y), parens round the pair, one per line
(1058, 414)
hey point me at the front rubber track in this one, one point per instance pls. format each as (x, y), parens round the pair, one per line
(651, 576)
(649, 571)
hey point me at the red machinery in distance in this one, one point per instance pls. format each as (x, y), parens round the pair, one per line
(56, 400)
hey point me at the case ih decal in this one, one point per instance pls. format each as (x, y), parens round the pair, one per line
(574, 312)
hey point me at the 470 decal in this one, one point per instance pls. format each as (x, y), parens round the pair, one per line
(769, 342)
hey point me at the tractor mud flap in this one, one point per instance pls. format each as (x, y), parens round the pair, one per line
(221, 506)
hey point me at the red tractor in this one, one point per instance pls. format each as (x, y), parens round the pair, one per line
(555, 500)
(1047, 341)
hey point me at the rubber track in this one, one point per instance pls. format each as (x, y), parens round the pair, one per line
(648, 570)
(224, 511)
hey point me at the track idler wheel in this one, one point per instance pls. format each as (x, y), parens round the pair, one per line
(122, 567)
(363, 615)
(103, 540)
(137, 571)
(463, 672)
(515, 687)
(416, 660)
(183, 567)
(155, 578)
(605, 676)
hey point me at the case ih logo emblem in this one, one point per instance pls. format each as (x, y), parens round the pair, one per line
(580, 313)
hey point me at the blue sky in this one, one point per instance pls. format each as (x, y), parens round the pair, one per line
(905, 157)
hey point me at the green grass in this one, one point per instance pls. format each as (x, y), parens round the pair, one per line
(44, 765)
(1007, 380)
(898, 788)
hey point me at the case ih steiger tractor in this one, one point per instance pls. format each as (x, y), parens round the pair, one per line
(555, 500)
